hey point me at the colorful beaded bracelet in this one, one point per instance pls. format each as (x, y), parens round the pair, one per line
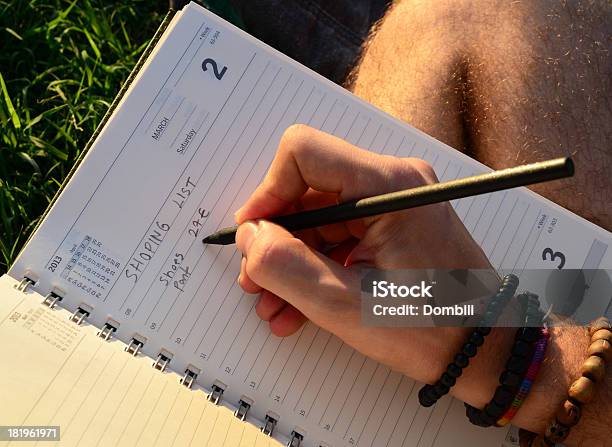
(430, 394)
(580, 392)
(516, 367)
(532, 372)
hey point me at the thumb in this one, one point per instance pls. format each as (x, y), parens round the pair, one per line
(284, 265)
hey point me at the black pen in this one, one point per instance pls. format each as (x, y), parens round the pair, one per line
(410, 198)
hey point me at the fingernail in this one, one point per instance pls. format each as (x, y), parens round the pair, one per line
(237, 214)
(242, 269)
(246, 236)
(357, 257)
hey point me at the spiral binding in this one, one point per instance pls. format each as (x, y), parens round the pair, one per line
(216, 394)
(51, 299)
(107, 331)
(80, 314)
(25, 284)
(164, 357)
(244, 405)
(270, 422)
(134, 346)
(295, 440)
(191, 373)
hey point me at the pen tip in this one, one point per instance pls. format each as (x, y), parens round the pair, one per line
(569, 166)
(224, 236)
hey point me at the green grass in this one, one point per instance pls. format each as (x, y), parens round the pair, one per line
(61, 64)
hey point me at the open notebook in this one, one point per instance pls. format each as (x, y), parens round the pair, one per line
(120, 250)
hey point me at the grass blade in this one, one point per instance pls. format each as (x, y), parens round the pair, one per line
(9, 105)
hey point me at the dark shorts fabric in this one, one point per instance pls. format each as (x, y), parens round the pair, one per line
(325, 35)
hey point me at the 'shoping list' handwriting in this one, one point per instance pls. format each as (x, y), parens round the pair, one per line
(148, 248)
(177, 270)
(155, 236)
(181, 195)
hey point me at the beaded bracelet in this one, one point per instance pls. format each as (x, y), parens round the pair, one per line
(580, 392)
(430, 394)
(521, 358)
(527, 382)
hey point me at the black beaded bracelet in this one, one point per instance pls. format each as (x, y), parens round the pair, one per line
(430, 394)
(516, 367)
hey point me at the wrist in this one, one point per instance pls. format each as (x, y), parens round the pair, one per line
(561, 366)
(565, 354)
(481, 378)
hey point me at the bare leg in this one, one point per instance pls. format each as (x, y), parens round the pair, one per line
(506, 82)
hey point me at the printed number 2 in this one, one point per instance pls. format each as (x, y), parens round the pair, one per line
(215, 68)
(549, 255)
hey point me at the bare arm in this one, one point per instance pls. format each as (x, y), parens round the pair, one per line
(298, 282)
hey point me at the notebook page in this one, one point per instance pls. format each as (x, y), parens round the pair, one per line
(61, 374)
(184, 151)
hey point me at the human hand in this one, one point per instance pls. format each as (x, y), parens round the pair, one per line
(298, 279)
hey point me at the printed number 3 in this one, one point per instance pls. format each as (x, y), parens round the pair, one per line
(215, 68)
(549, 255)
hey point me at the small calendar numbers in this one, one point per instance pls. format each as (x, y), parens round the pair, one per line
(554, 256)
(16, 316)
(215, 37)
(542, 221)
(302, 412)
(252, 384)
(209, 63)
(178, 340)
(205, 33)
(327, 427)
(552, 225)
(203, 356)
(55, 262)
(153, 326)
(228, 370)
(277, 398)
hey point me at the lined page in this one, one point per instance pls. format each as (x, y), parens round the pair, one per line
(191, 141)
(61, 374)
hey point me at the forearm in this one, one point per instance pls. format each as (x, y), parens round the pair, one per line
(565, 354)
